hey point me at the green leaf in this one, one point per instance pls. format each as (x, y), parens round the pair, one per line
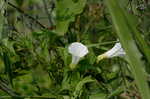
(116, 92)
(19, 2)
(98, 96)
(66, 10)
(9, 45)
(78, 89)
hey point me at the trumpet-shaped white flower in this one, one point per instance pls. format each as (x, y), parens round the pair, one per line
(77, 50)
(117, 50)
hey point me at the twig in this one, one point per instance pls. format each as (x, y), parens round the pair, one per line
(26, 15)
(46, 11)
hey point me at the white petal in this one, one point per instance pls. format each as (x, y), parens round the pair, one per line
(117, 50)
(78, 49)
(75, 59)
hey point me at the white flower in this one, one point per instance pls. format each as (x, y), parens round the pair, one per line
(78, 50)
(117, 50)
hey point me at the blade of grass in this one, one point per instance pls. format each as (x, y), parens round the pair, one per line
(124, 32)
(8, 66)
(138, 37)
(5, 55)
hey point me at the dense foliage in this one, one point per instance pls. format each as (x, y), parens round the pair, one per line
(34, 40)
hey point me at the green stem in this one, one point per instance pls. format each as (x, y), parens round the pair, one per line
(72, 66)
(100, 44)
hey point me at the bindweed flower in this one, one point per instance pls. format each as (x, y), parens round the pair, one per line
(117, 50)
(77, 50)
